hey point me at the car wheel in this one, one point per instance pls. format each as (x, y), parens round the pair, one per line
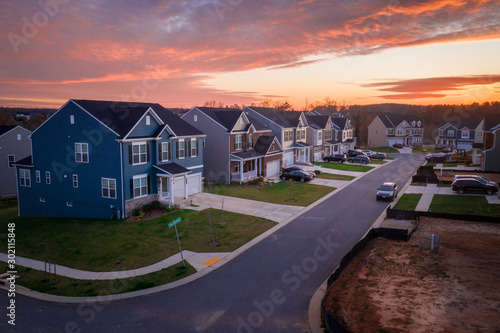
(283, 178)
(461, 191)
(377, 199)
(489, 191)
(350, 161)
(381, 158)
(364, 162)
(301, 180)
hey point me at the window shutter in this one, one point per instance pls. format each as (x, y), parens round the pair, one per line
(188, 147)
(130, 154)
(147, 152)
(177, 143)
(169, 150)
(149, 184)
(160, 152)
(197, 147)
(131, 188)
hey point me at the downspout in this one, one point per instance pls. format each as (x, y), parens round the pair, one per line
(122, 180)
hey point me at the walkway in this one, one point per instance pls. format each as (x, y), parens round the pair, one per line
(199, 261)
(426, 199)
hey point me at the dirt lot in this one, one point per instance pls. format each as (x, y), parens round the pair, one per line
(395, 287)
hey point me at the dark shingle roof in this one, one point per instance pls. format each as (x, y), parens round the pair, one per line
(491, 121)
(317, 122)
(27, 161)
(339, 122)
(121, 117)
(263, 143)
(4, 129)
(172, 168)
(470, 123)
(393, 120)
(225, 116)
(282, 118)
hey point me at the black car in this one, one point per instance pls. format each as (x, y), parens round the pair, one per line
(378, 156)
(462, 185)
(294, 168)
(354, 153)
(299, 175)
(397, 145)
(341, 158)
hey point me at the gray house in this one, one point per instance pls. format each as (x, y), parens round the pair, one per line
(462, 135)
(491, 143)
(237, 147)
(14, 146)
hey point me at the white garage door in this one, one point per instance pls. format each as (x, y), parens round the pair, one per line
(464, 145)
(287, 159)
(317, 156)
(391, 142)
(273, 168)
(193, 185)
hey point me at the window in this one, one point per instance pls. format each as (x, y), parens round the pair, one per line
(148, 120)
(181, 149)
(139, 186)
(71, 119)
(109, 188)
(413, 123)
(42, 199)
(195, 118)
(320, 136)
(391, 131)
(250, 141)
(37, 176)
(465, 134)
(302, 134)
(419, 124)
(237, 142)
(19, 137)
(165, 151)
(75, 181)
(24, 177)
(194, 148)
(237, 167)
(286, 135)
(450, 133)
(407, 131)
(140, 153)
(399, 131)
(82, 152)
(47, 177)
(10, 160)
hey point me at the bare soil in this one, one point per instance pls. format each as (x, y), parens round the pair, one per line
(397, 287)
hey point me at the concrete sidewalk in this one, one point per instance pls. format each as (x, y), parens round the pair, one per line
(426, 199)
(199, 261)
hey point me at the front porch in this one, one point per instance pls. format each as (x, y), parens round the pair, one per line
(245, 170)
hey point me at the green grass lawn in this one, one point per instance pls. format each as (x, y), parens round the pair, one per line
(304, 194)
(95, 245)
(64, 286)
(385, 150)
(345, 166)
(464, 204)
(408, 201)
(334, 177)
(417, 150)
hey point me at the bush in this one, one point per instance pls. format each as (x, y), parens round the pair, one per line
(256, 181)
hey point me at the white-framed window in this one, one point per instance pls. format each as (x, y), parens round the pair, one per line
(109, 188)
(195, 118)
(10, 160)
(250, 141)
(237, 167)
(139, 153)
(390, 131)
(413, 123)
(82, 152)
(165, 151)
(399, 131)
(24, 177)
(465, 134)
(19, 137)
(419, 124)
(47, 177)
(320, 136)
(181, 153)
(407, 131)
(344, 135)
(75, 181)
(238, 144)
(303, 134)
(148, 120)
(140, 186)
(71, 119)
(38, 177)
(450, 133)
(194, 148)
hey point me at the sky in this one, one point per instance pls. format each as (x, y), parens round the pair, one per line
(184, 53)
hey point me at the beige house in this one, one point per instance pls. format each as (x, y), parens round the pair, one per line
(387, 130)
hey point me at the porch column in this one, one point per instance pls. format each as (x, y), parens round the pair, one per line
(241, 172)
(259, 172)
(184, 179)
(171, 189)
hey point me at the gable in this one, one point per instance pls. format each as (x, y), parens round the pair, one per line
(147, 125)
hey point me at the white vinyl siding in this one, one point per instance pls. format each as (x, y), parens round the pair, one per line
(82, 152)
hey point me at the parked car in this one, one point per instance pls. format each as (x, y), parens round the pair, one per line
(397, 145)
(462, 185)
(359, 159)
(446, 150)
(298, 175)
(353, 153)
(387, 191)
(293, 168)
(368, 152)
(481, 179)
(378, 156)
(341, 158)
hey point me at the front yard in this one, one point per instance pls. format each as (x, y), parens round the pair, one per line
(345, 166)
(464, 204)
(303, 194)
(408, 201)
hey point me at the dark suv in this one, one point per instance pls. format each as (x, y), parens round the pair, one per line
(341, 158)
(354, 153)
(462, 185)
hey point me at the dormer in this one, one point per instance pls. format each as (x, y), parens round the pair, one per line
(419, 124)
(413, 123)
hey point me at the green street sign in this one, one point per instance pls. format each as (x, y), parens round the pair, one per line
(174, 222)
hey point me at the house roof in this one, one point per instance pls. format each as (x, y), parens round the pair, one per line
(317, 121)
(121, 117)
(339, 122)
(470, 123)
(259, 126)
(4, 129)
(491, 121)
(393, 120)
(172, 168)
(227, 117)
(260, 149)
(27, 161)
(282, 118)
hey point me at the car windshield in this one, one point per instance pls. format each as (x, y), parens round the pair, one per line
(386, 188)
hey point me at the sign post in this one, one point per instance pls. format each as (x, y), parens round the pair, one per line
(173, 224)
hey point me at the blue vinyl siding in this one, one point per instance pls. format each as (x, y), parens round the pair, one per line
(143, 130)
(54, 151)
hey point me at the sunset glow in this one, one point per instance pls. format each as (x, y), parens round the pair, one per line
(183, 53)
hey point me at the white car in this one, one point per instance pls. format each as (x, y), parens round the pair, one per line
(368, 152)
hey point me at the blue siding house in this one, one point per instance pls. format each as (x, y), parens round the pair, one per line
(103, 159)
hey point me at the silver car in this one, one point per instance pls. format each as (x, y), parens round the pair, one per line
(387, 191)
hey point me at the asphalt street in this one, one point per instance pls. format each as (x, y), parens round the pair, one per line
(265, 289)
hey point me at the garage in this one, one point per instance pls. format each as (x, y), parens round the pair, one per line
(273, 168)
(391, 143)
(193, 185)
(287, 159)
(464, 145)
(317, 156)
